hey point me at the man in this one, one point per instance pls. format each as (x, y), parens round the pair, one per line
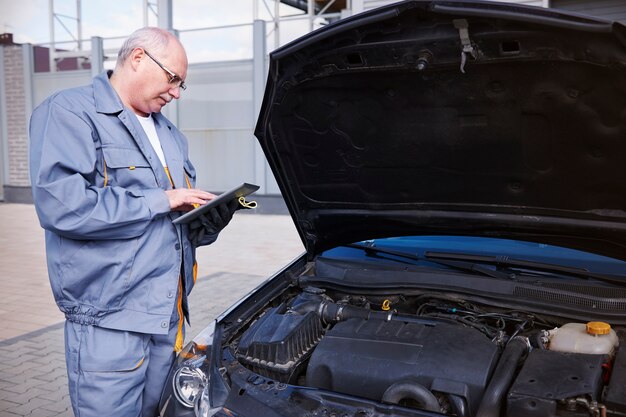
(109, 175)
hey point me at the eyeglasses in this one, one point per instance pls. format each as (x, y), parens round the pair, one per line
(173, 78)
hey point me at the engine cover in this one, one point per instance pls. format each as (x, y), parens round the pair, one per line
(365, 357)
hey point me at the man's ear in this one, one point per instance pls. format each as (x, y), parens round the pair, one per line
(135, 58)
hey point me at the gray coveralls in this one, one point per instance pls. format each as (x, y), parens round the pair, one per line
(119, 269)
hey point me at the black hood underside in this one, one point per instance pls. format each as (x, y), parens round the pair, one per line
(429, 117)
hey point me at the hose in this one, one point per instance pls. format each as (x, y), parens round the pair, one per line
(502, 377)
(333, 312)
(459, 407)
(399, 391)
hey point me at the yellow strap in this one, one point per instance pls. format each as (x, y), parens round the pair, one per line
(247, 204)
(106, 178)
(178, 346)
(189, 186)
(169, 176)
(139, 364)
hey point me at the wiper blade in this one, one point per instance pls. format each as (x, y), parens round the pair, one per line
(461, 265)
(505, 261)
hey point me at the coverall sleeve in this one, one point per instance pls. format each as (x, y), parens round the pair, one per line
(63, 173)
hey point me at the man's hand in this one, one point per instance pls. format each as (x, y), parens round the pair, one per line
(209, 224)
(183, 199)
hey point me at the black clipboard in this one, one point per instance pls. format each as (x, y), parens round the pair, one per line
(237, 192)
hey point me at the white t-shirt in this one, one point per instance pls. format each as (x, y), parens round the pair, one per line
(148, 126)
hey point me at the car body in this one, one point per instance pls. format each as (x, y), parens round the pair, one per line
(456, 173)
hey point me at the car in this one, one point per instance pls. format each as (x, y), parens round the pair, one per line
(457, 173)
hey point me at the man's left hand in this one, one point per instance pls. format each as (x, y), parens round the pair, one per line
(203, 229)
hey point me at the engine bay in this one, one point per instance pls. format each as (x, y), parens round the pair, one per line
(437, 352)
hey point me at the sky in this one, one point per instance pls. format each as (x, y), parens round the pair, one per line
(28, 20)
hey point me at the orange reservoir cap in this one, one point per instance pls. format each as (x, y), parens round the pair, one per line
(598, 328)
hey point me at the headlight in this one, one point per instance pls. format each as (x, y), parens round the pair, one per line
(190, 378)
(203, 407)
(189, 381)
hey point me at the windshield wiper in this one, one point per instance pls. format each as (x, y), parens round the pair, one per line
(505, 261)
(457, 264)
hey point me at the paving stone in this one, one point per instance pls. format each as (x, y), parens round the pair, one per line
(28, 407)
(67, 413)
(59, 395)
(18, 358)
(58, 384)
(5, 403)
(54, 374)
(25, 368)
(42, 412)
(8, 414)
(5, 383)
(24, 387)
(15, 378)
(25, 397)
(58, 406)
(5, 365)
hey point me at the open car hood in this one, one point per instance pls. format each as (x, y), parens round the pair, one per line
(452, 117)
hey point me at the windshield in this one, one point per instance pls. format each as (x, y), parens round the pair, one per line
(425, 247)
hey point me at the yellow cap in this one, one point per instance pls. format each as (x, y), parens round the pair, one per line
(598, 327)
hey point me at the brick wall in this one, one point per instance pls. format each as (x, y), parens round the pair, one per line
(16, 117)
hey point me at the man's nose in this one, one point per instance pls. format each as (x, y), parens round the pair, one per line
(175, 92)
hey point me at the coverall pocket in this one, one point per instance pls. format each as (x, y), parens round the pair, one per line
(126, 167)
(106, 350)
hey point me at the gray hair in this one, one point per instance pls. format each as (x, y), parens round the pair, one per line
(150, 38)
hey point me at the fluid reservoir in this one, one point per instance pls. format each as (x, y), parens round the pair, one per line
(595, 337)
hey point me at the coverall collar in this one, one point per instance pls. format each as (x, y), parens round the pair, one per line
(106, 99)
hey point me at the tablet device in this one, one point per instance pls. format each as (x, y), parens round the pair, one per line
(239, 191)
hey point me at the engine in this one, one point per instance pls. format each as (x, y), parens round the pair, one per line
(436, 354)
(394, 361)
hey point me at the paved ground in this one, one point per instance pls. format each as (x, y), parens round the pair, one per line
(32, 362)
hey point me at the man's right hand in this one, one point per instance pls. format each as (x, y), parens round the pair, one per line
(186, 199)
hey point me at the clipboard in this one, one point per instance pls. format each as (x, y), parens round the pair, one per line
(236, 192)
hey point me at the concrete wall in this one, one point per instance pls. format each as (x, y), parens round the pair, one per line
(47, 83)
(217, 114)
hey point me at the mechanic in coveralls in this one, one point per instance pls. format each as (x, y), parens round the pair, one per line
(109, 175)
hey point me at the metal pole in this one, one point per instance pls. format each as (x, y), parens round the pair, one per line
(357, 6)
(165, 15)
(258, 87)
(276, 24)
(97, 56)
(145, 12)
(79, 25)
(51, 28)
(311, 12)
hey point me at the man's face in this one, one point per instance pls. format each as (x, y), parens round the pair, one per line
(157, 68)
